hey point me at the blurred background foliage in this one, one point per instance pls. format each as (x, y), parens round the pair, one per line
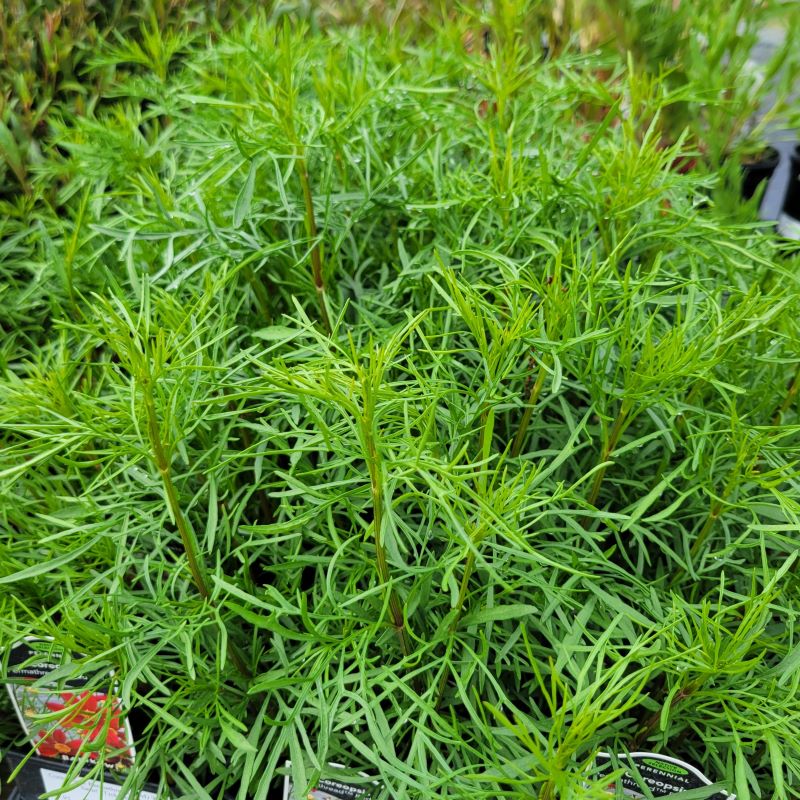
(50, 50)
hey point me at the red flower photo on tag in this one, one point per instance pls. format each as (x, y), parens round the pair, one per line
(66, 725)
(67, 720)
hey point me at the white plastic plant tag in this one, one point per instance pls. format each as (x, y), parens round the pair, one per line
(788, 227)
(332, 789)
(35, 776)
(91, 790)
(663, 775)
(65, 721)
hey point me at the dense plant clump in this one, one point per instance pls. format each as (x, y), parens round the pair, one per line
(407, 395)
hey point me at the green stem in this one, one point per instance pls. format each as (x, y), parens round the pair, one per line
(791, 394)
(260, 292)
(382, 564)
(714, 513)
(608, 450)
(549, 790)
(652, 721)
(469, 567)
(188, 540)
(162, 462)
(536, 390)
(71, 248)
(693, 393)
(316, 249)
(484, 446)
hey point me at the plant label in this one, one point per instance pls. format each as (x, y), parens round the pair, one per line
(39, 775)
(788, 226)
(331, 788)
(62, 718)
(663, 775)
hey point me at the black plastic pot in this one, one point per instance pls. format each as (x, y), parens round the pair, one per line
(789, 220)
(756, 172)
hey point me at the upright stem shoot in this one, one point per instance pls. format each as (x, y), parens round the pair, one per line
(522, 430)
(316, 248)
(791, 394)
(608, 449)
(188, 539)
(469, 567)
(484, 446)
(382, 563)
(652, 721)
(162, 462)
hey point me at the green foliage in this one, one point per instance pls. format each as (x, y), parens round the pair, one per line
(368, 397)
(740, 89)
(49, 51)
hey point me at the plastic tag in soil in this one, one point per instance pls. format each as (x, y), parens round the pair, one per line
(35, 776)
(88, 722)
(663, 775)
(328, 788)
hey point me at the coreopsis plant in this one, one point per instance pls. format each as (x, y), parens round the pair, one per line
(364, 401)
